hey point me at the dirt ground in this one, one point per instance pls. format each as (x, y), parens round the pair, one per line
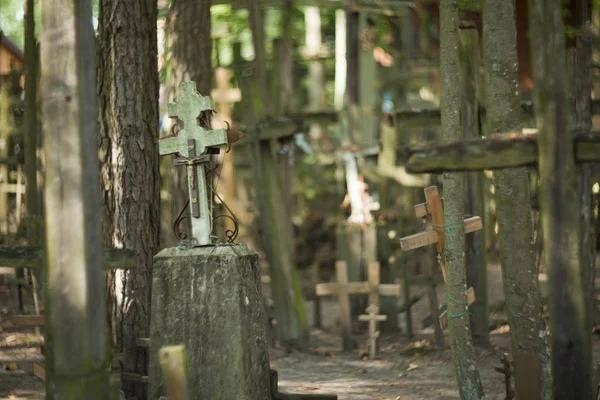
(405, 370)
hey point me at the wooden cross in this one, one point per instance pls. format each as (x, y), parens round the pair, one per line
(192, 143)
(343, 289)
(372, 318)
(223, 95)
(433, 207)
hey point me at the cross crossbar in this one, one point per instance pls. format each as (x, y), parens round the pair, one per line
(433, 208)
(192, 142)
(343, 289)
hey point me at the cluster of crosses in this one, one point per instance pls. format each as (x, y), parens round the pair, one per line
(431, 211)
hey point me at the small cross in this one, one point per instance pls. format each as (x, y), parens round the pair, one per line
(192, 143)
(343, 289)
(372, 317)
(223, 95)
(433, 208)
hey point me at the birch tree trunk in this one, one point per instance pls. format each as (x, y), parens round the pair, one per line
(128, 133)
(513, 205)
(461, 343)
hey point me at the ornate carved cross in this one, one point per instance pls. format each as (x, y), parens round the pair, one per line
(192, 143)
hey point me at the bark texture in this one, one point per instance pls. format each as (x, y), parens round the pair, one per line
(513, 206)
(128, 133)
(559, 205)
(192, 46)
(76, 355)
(463, 353)
(192, 61)
(583, 126)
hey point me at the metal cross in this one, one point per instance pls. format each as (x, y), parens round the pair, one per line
(191, 142)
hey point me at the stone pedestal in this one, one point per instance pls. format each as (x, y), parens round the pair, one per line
(209, 299)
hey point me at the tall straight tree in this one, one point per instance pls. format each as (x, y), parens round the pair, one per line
(571, 341)
(192, 60)
(461, 343)
(128, 133)
(517, 255)
(76, 356)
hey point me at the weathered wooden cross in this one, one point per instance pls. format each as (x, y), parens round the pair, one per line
(433, 208)
(192, 143)
(223, 95)
(372, 317)
(343, 289)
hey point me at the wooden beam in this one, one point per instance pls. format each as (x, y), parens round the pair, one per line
(421, 239)
(39, 371)
(28, 320)
(279, 128)
(34, 257)
(517, 150)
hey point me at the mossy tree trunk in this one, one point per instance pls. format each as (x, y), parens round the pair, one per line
(75, 337)
(559, 205)
(583, 126)
(291, 328)
(128, 132)
(513, 207)
(463, 353)
(475, 254)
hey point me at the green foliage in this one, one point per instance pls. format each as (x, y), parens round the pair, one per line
(470, 5)
(12, 20)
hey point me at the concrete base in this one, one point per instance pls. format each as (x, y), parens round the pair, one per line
(209, 299)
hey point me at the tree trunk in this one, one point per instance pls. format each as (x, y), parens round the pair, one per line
(192, 61)
(515, 235)
(128, 133)
(559, 206)
(75, 335)
(461, 343)
(583, 126)
(475, 254)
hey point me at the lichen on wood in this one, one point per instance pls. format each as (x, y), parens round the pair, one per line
(571, 345)
(463, 354)
(517, 255)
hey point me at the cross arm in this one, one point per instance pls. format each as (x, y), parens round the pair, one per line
(168, 145)
(422, 239)
(34, 257)
(508, 151)
(279, 129)
(372, 318)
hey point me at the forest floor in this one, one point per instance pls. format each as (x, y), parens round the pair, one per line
(404, 369)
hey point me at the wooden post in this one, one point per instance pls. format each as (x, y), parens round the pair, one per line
(5, 130)
(223, 96)
(341, 289)
(475, 244)
(583, 126)
(76, 331)
(340, 59)
(571, 346)
(174, 366)
(367, 85)
(463, 354)
(292, 327)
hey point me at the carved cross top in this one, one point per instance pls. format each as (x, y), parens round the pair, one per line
(191, 142)
(189, 105)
